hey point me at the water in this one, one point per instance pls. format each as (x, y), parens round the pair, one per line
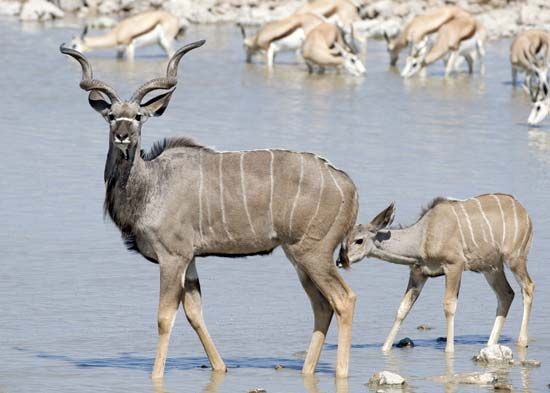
(79, 311)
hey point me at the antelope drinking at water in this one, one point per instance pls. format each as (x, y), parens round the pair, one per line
(325, 47)
(147, 28)
(530, 53)
(183, 201)
(480, 234)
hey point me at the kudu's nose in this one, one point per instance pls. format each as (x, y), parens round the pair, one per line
(121, 137)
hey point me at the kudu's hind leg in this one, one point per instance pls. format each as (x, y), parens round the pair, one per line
(192, 305)
(321, 270)
(322, 313)
(518, 266)
(416, 283)
(171, 273)
(505, 295)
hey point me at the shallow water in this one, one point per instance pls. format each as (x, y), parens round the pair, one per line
(79, 311)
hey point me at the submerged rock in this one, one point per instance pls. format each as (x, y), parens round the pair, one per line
(405, 343)
(474, 378)
(503, 387)
(530, 363)
(495, 354)
(386, 378)
(279, 366)
(424, 327)
(257, 390)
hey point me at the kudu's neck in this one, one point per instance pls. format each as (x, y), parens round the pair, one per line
(126, 186)
(401, 246)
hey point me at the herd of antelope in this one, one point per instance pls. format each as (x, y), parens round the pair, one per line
(243, 203)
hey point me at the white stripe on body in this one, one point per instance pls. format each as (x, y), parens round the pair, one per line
(321, 188)
(459, 228)
(469, 224)
(297, 194)
(503, 220)
(516, 224)
(339, 189)
(272, 185)
(224, 222)
(243, 190)
(200, 195)
(486, 221)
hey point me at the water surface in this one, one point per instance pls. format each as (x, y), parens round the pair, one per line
(79, 311)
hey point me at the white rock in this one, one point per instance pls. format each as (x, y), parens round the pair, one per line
(71, 5)
(495, 354)
(102, 22)
(38, 10)
(108, 7)
(10, 8)
(475, 378)
(386, 378)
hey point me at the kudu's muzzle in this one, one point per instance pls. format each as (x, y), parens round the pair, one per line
(342, 261)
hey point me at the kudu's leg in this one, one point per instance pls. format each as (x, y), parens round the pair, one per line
(322, 313)
(416, 283)
(453, 275)
(321, 270)
(505, 295)
(192, 305)
(171, 273)
(518, 265)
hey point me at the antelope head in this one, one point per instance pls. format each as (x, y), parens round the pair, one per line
(351, 63)
(364, 238)
(77, 42)
(541, 101)
(415, 60)
(125, 118)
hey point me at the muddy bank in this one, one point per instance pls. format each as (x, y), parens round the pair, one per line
(501, 18)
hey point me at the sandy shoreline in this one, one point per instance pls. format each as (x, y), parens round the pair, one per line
(501, 18)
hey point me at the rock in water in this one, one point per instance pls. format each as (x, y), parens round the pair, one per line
(503, 387)
(405, 343)
(257, 390)
(386, 378)
(424, 327)
(495, 354)
(475, 378)
(530, 363)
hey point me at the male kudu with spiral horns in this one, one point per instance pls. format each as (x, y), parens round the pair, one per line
(183, 200)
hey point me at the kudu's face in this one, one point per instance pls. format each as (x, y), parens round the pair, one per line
(125, 118)
(363, 238)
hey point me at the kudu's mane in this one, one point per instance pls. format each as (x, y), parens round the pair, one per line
(169, 143)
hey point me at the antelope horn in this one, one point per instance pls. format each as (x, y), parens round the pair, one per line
(88, 82)
(170, 80)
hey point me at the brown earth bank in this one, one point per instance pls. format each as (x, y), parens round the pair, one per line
(501, 18)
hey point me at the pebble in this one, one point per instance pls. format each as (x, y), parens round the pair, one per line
(424, 327)
(405, 343)
(386, 378)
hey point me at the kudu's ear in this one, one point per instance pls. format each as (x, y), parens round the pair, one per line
(383, 219)
(98, 102)
(157, 105)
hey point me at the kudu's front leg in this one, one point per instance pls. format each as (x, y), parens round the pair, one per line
(453, 275)
(416, 283)
(171, 272)
(192, 305)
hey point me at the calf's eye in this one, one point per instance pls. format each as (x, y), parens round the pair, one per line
(359, 241)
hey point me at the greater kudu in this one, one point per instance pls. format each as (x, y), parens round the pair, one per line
(479, 234)
(183, 201)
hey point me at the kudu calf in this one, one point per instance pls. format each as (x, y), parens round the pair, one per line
(184, 200)
(480, 234)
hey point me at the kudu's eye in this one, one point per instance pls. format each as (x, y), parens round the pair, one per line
(111, 117)
(138, 117)
(359, 241)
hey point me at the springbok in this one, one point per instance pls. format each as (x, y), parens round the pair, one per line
(286, 34)
(343, 13)
(480, 234)
(147, 28)
(450, 38)
(419, 28)
(325, 47)
(183, 200)
(530, 53)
